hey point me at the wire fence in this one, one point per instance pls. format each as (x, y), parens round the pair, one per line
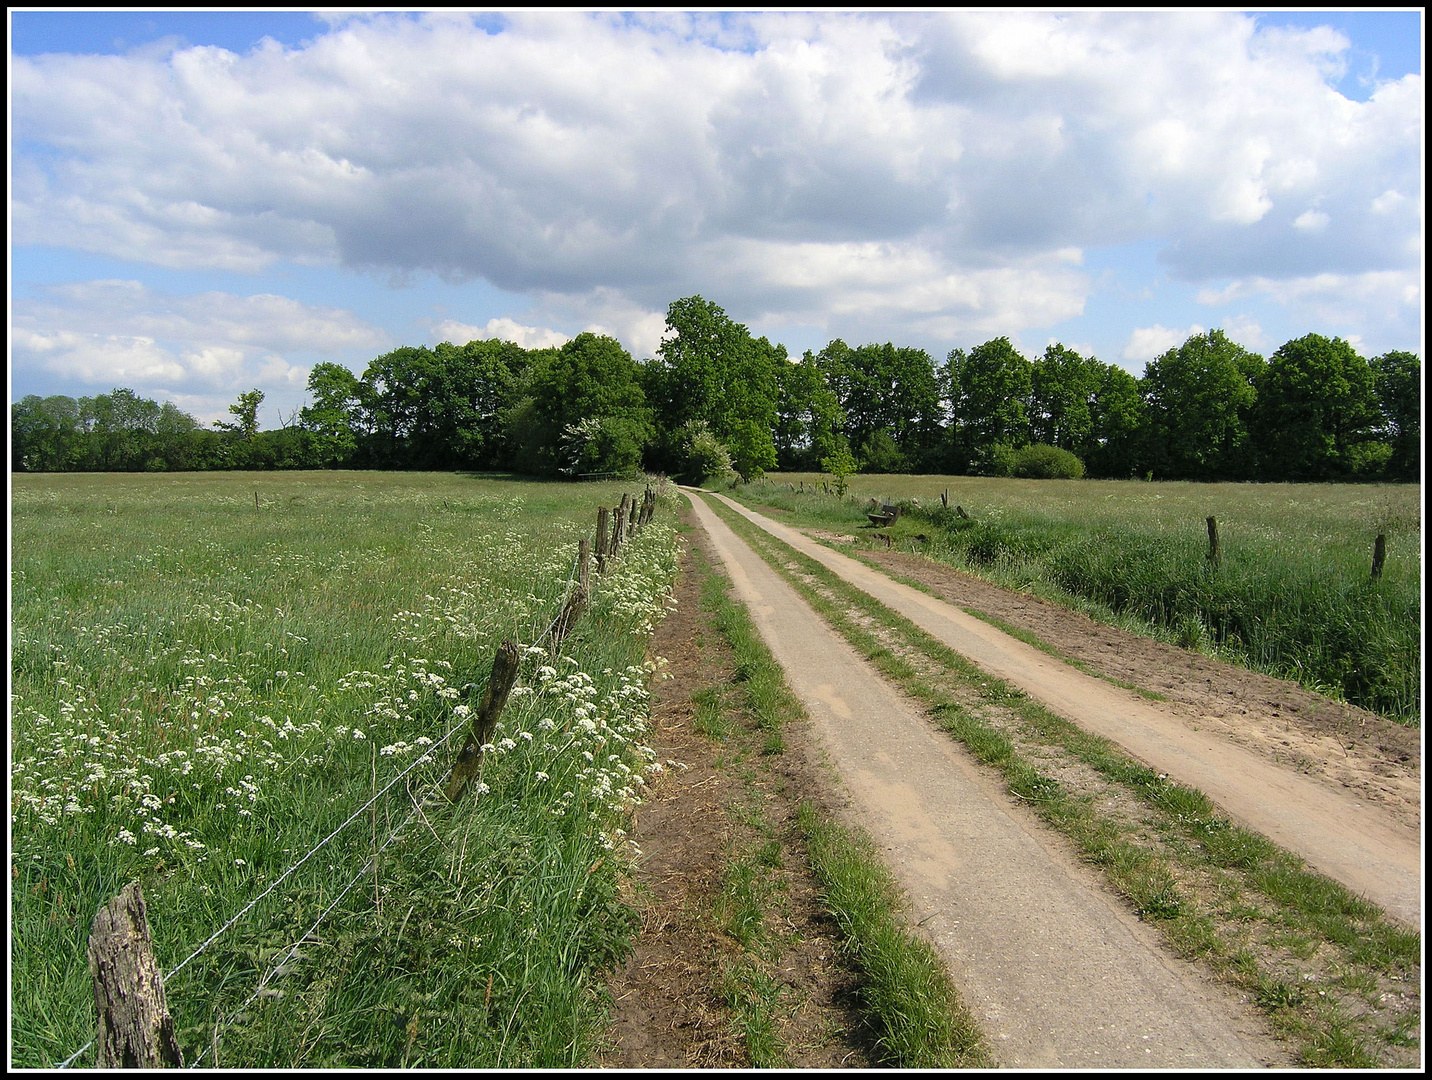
(428, 799)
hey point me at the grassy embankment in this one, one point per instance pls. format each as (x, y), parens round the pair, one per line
(1334, 976)
(1293, 595)
(912, 1012)
(203, 690)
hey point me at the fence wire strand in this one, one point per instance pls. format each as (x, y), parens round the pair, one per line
(367, 866)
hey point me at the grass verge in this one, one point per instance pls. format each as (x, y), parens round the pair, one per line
(1331, 972)
(913, 1011)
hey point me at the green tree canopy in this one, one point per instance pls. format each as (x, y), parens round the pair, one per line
(1063, 386)
(989, 389)
(710, 368)
(1397, 379)
(1317, 410)
(588, 409)
(1198, 399)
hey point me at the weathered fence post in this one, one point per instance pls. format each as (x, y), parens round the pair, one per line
(1379, 554)
(1215, 552)
(577, 602)
(618, 528)
(602, 537)
(945, 498)
(135, 1029)
(584, 566)
(494, 698)
(256, 500)
(631, 518)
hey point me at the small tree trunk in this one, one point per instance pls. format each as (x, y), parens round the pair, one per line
(135, 1029)
(1379, 554)
(494, 698)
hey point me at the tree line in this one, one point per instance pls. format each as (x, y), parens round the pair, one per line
(717, 399)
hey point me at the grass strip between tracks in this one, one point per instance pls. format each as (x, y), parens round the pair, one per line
(913, 1009)
(1333, 975)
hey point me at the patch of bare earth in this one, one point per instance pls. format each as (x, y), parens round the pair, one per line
(1377, 759)
(668, 1007)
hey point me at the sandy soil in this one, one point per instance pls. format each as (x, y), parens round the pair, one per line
(1057, 972)
(1371, 757)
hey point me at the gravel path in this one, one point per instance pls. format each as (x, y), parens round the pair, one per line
(1058, 973)
(1360, 845)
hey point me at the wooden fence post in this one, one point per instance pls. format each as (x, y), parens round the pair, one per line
(494, 698)
(631, 518)
(584, 566)
(602, 537)
(1215, 552)
(1379, 554)
(618, 528)
(135, 1029)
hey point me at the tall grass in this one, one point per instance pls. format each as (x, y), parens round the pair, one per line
(1292, 596)
(203, 691)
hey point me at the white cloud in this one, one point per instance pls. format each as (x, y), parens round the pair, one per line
(202, 347)
(1245, 330)
(1147, 342)
(529, 337)
(919, 170)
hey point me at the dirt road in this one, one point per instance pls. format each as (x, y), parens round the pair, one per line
(1363, 846)
(1059, 974)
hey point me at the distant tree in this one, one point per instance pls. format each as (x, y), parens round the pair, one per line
(890, 398)
(1397, 379)
(1198, 399)
(1317, 411)
(245, 412)
(808, 416)
(1117, 419)
(710, 368)
(333, 417)
(588, 412)
(989, 390)
(1063, 387)
(46, 434)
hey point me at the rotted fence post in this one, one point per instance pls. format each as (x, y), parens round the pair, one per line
(1215, 552)
(631, 518)
(945, 498)
(494, 698)
(603, 531)
(1379, 554)
(135, 1029)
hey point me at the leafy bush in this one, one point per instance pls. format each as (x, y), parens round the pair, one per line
(706, 456)
(994, 460)
(1043, 462)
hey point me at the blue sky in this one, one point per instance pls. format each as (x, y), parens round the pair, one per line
(202, 202)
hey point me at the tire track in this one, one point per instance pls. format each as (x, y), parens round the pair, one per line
(1059, 974)
(1359, 845)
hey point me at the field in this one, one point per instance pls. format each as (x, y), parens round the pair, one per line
(1292, 595)
(236, 688)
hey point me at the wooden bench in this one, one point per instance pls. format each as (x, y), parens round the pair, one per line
(887, 515)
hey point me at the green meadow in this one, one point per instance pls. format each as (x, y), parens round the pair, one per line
(1293, 594)
(238, 689)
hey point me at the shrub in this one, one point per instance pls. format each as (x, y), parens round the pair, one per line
(706, 456)
(1042, 462)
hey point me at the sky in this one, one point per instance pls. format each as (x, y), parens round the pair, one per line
(206, 202)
